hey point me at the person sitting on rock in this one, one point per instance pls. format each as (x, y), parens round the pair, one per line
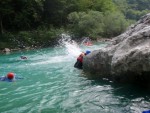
(79, 62)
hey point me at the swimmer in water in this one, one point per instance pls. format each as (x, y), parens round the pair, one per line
(10, 77)
(23, 57)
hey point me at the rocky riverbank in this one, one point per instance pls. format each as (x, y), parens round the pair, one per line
(9, 50)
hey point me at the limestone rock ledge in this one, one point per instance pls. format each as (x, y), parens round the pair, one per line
(127, 58)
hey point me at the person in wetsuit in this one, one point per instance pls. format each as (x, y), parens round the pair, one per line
(10, 77)
(79, 62)
(23, 57)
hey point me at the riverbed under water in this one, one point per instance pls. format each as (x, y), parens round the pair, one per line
(51, 84)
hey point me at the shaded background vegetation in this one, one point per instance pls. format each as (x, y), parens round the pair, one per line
(39, 23)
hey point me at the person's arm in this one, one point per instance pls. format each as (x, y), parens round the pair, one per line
(16, 77)
(3, 78)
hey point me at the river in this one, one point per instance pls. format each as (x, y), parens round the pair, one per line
(51, 84)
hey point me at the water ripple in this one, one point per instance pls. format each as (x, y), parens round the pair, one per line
(52, 85)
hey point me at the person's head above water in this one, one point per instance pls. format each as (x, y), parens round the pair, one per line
(23, 57)
(10, 75)
(87, 52)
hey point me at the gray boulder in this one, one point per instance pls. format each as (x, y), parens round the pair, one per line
(126, 58)
(6, 50)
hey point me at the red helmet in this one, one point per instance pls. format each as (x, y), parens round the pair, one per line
(10, 75)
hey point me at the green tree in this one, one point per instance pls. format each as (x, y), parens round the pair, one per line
(133, 9)
(86, 24)
(53, 12)
(97, 24)
(122, 5)
(27, 13)
(97, 5)
(5, 11)
(114, 24)
(139, 4)
(20, 14)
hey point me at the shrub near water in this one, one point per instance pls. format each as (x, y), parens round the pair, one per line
(114, 24)
(36, 38)
(86, 24)
(6, 40)
(95, 23)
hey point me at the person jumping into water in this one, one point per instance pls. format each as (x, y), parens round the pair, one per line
(79, 62)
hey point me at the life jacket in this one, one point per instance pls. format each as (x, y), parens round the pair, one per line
(79, 64)
(80, 58)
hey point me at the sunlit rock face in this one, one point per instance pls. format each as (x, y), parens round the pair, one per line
(127, 58)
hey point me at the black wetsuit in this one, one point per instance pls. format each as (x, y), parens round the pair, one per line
(78, 63)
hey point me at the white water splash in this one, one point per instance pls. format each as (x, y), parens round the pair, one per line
(51, 60)
(69, 46)
(72, 48)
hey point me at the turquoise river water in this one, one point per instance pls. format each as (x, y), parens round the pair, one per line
(52, 85)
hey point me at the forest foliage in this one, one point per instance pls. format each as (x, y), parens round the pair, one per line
(40, 22)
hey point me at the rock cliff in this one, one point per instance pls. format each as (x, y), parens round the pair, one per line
(127, 58)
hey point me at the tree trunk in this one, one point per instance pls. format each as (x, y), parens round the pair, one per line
(1, 26)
